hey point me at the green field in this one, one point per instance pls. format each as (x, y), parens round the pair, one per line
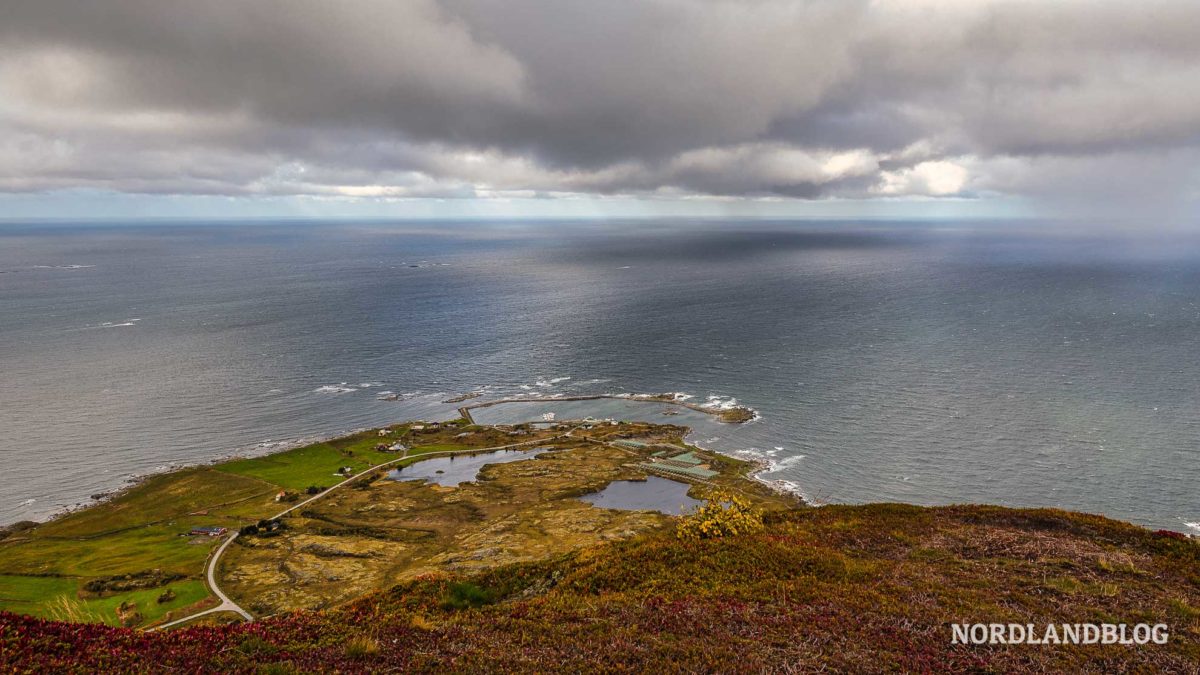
(57, 598)
(438, 447)
(145, 528)
(317, 464)
(297, 469)
(160, 499)
(42, 570)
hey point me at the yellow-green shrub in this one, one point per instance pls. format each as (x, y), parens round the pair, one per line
(723, 514)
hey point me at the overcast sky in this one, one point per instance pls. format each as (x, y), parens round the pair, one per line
(560, 106)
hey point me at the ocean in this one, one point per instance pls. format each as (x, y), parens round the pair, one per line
(1019, 363)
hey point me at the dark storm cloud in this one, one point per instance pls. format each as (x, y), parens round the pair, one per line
(372, 98)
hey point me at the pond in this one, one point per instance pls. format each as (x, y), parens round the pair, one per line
(653, 494)
(451, 470)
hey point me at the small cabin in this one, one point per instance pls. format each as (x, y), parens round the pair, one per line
(208, 531)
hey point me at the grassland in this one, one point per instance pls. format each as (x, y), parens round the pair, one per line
(59, 598)
(143, 529)
(862, 589)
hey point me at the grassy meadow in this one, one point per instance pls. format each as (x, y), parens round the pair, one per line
(43, 568)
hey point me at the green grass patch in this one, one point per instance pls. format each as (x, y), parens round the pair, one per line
(187, 592)
(298, 469)
(144, 548)
(31, 595)
(58, 598)
(160, 498)
(439, 447)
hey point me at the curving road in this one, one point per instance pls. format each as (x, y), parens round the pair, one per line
(228, 605)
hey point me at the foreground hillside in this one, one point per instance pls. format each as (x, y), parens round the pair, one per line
(861, 589)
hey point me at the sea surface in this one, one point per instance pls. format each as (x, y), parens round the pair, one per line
(1026, 364)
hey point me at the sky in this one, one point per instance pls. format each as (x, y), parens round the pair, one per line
(569, 108)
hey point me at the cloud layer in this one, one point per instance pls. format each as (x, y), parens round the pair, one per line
(1068, 100)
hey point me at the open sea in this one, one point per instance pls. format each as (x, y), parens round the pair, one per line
(1025, 364)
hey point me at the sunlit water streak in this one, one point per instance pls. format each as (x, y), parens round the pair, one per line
(907, 362)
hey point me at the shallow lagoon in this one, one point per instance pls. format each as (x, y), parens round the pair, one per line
(452, 470)
(653, 494)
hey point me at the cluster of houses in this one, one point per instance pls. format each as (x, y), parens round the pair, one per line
(263, 527)
(592, 422)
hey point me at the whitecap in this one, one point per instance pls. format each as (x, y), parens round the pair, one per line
(718, 402)
(794, 488)
(114, 324)
(1195, 526)
(339, 388)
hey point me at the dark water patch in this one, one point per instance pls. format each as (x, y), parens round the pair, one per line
(452, 470)
(653, 494)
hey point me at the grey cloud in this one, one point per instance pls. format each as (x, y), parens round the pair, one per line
(802, 99)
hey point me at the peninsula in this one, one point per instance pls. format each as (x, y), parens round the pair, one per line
(316, 526)
(557, 544)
